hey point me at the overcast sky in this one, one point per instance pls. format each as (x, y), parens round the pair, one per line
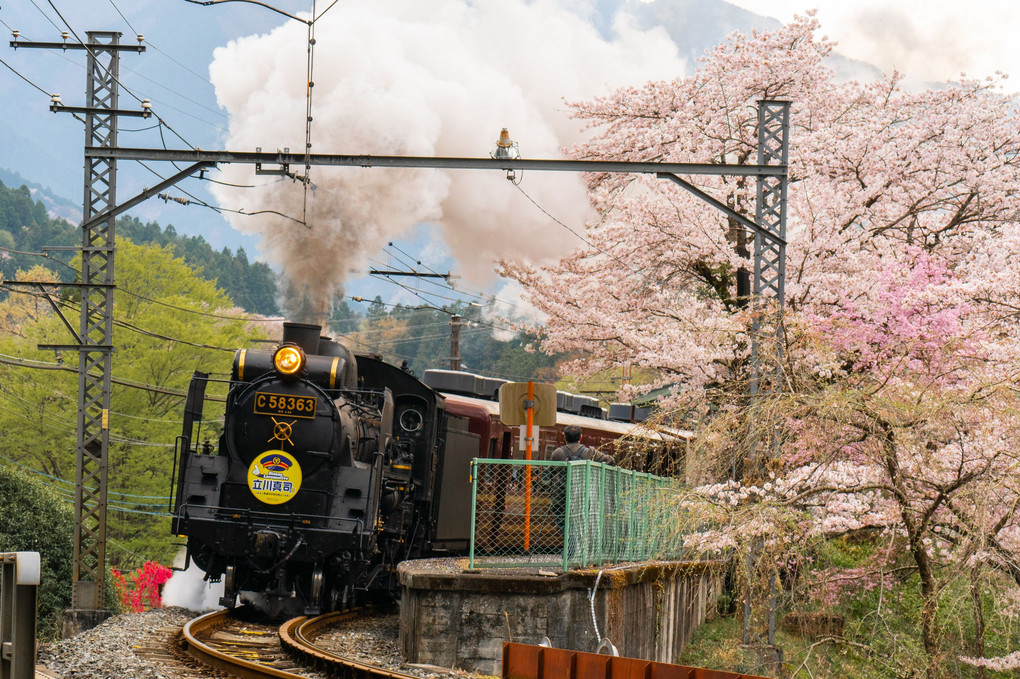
(931, 40)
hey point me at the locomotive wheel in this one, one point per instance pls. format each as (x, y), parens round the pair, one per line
(230, 580)
(318, 580)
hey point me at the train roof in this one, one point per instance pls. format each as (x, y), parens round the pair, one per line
(613, 426)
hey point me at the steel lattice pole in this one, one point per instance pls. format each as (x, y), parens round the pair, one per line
(769, 284)
(768, 300)
(93, 440)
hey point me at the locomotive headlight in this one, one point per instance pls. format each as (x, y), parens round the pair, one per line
(289, 360)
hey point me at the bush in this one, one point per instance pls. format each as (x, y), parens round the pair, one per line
(35, 519)
(143, 589)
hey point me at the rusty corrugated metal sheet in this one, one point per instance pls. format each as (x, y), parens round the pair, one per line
(523, 661)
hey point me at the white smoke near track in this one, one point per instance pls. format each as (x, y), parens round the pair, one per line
(189, 590)
(428, 78)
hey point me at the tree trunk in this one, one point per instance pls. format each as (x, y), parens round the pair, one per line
(979, 618)
(929, 610)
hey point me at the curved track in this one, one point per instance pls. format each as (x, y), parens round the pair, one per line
(241, 649)
(298, 635)
(255, 651)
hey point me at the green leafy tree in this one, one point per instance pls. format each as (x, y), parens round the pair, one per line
(169, 322)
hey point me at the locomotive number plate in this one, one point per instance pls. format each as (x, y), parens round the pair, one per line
(282, 404)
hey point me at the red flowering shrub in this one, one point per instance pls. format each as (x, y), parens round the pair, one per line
(140, 591)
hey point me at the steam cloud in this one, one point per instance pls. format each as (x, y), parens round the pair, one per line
(429, 78)
(190, 590)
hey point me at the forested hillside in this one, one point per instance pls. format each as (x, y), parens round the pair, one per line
(26, 229)
(421, 337)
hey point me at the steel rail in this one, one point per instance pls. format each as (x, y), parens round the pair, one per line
(207, 655)
(297, 636)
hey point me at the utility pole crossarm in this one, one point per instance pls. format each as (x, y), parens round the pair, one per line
(106, 47)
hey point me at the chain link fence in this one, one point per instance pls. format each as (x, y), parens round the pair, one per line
(567, 514)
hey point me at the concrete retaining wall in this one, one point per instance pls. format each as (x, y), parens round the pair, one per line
(456, 618)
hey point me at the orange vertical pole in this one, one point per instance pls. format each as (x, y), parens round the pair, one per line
(529, 408)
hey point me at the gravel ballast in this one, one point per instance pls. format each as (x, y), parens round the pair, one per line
(111, 650)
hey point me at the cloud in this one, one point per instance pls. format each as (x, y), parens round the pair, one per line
(927, 40)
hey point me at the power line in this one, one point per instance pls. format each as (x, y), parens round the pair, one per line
(245, 319)
(45, 15)
(112, 77)
(446, 284)
(20, 362)
(168, 56)
(125, 324)
(118, 413)
(15, 72)
(585, 240)
(219, 210)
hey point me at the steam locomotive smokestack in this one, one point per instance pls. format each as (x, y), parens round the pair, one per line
(305, 335)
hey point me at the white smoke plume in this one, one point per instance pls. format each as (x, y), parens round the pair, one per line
(429, 78)
(188, 589)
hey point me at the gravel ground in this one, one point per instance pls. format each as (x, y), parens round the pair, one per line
(109, 650)
(374, 641)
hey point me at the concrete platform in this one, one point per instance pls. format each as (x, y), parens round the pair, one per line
(455, 617)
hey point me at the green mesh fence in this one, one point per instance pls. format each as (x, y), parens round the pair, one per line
(569, 514)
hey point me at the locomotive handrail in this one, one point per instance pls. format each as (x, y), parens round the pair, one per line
(173, 472)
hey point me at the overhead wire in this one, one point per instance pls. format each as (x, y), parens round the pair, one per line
(582, 238)
(245, 319)
(122, 323)
(21, 362)
(221, 210)
(448, 285)
(416, 294)
(99, 63)
(171, 58)
(26, 79)
(45, 255)
(68, 426)
(45, 15)
(118, 413)
(71, 483)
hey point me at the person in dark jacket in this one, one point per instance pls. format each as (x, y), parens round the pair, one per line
(574, 450)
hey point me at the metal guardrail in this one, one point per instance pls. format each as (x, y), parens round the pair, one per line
(566, 514)
(19, 590)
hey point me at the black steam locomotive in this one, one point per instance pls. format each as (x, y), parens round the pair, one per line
(334, 467)
(324, 478)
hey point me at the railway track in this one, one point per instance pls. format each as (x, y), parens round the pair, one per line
(254, 651)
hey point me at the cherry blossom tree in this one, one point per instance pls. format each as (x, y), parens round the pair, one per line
(900, 358)
(874, 171)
